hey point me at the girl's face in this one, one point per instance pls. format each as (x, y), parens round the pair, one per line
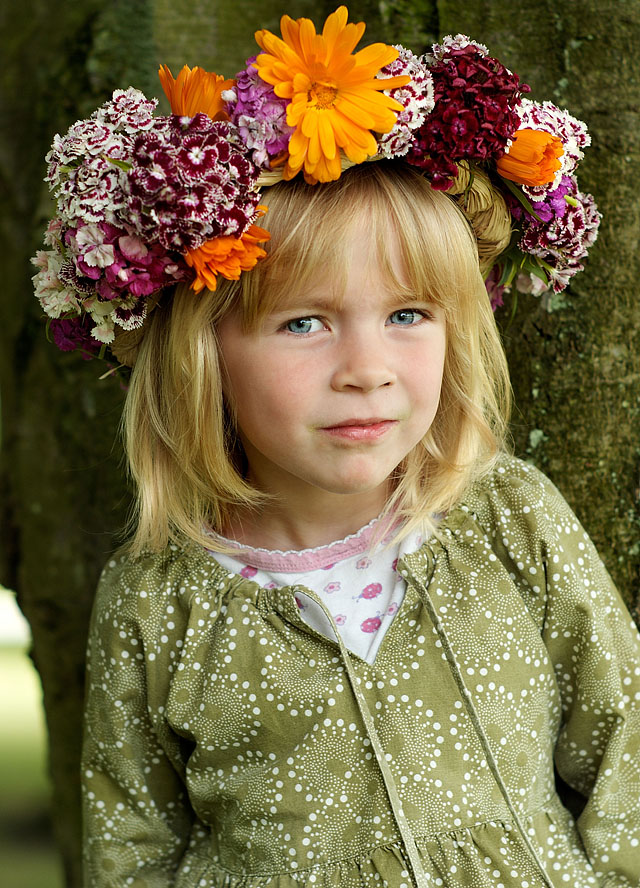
(336, 386)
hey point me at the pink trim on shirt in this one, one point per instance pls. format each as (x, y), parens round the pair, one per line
(319, 558)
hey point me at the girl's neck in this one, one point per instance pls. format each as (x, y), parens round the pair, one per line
(279, 528)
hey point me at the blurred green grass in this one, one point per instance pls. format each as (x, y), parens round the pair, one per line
(28, 858)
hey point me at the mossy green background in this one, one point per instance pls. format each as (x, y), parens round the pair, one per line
(576, 371)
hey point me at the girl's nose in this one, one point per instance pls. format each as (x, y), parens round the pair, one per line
(362, 364)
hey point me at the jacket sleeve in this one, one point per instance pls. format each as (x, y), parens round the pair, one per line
(595, 648)
(137, 818)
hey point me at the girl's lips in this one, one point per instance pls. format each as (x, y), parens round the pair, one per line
(360, 431)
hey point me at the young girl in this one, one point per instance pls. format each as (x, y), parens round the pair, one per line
(352, 642)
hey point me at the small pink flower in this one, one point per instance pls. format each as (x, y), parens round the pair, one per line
(248, 572)
(341, 620)
(332, 587)
(371, 591)
(392, 609)
(371, 625)
(271, 585)
(363, 563)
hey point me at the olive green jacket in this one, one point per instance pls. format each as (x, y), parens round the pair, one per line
(230, 745)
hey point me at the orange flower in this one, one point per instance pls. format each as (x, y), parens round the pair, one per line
(228, 256)
(336, 99)
(195, 91)
(532, 158)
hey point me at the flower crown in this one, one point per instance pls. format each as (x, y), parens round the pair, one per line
(145, 202)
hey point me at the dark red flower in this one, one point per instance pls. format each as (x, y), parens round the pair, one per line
(474, 116)
(70, 334)
(189, 183)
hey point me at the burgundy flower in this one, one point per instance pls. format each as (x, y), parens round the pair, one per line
(475, 113)
(189, 183)
(70, 334)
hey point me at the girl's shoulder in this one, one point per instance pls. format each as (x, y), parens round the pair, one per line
(134, 586)
(515, 497)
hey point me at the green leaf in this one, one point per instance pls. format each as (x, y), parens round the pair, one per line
(539, 273)
(507, 273)
(521, 197)
(121, 164)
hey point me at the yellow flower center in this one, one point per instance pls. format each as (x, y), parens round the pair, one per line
(322, 95)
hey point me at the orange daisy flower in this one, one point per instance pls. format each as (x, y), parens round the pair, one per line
(533, 158)
(195, 91)
(227, 256)
(336, 100)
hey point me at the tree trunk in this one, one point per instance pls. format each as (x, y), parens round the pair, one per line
(576, 370)
(62, 492)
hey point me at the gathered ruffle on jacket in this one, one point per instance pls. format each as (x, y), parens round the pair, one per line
(231, 745)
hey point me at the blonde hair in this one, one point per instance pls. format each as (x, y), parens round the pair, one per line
(183, 450)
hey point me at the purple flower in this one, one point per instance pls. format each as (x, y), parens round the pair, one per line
(494, 289)
(70, 334)
(552, 206)
(260, 115)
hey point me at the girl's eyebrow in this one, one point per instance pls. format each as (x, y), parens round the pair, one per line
(325, 302)
(320, 302)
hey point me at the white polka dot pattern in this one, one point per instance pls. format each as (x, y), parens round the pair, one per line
(224, 746)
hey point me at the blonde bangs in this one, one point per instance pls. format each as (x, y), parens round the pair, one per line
(310, 228)
(183, 450)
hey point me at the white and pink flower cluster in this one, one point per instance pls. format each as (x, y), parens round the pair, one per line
(562, 226)
(133, 193)
(416, 98)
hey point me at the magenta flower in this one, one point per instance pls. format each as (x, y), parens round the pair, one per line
(118, 263)
(567, 229)
(493, 287)
(416, 98)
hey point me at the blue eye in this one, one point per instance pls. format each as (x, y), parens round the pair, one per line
(406, 317)
(303, 325)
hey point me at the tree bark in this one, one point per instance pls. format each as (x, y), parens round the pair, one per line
(63, 496)
(576, 370)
